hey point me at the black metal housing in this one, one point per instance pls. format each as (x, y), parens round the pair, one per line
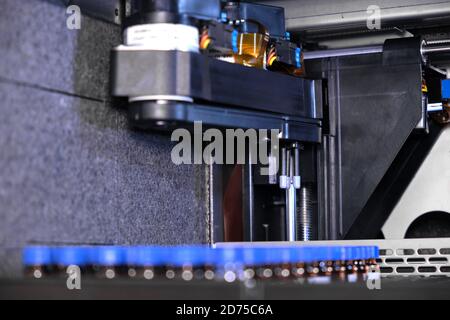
(153, 115)
(222, 38)
(271, 17)
(375, 103)
(286, 52)
(173, 73)
(172, 11)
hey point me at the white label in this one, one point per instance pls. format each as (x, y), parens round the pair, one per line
(163, 36)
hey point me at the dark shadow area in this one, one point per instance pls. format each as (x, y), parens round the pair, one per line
(430, 225)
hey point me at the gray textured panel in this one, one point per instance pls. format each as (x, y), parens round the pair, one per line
(72, 172)
(37, 48)
(11, 263)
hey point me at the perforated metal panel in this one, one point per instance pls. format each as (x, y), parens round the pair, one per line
(424, 258)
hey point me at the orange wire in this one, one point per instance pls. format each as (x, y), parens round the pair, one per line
(205, 41)
(272, 56)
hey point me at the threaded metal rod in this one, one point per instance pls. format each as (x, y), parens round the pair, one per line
(305, 214)
(438, 42)
(291, 202)
(437, 49)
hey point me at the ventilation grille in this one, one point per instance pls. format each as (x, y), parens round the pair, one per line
(425, 261)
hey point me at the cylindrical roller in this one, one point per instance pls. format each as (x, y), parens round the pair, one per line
(305, 214)
(296, 160)
(321, 54)
(442, 48)
(284, 162)
(291, 202)
(158, 5)
(284, 179)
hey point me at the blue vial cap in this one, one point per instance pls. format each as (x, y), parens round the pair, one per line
(355, 253)
(375, 253)
(318, 254)
(185, 255)
(210, 256)
(301, 254)
(342, 253)
(372, 253)
(278, 255)
(326, 253)
(291, 255)
(359, 253)
(145, 256)
(366, 252)
(67, 256)
(229, 255)
(255, 256)
(298, 57)
(446, 89)
(132, 256)
(109, 256)
(37, 256)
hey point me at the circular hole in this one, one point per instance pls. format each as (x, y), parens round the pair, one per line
(427, 252)
(406, 270)
(430, 225)
(427, 269)
(406, 252)
(386, 253)
(438, 260)
(445, 269)
(416, 261)
(395, 261)
(386, 270)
